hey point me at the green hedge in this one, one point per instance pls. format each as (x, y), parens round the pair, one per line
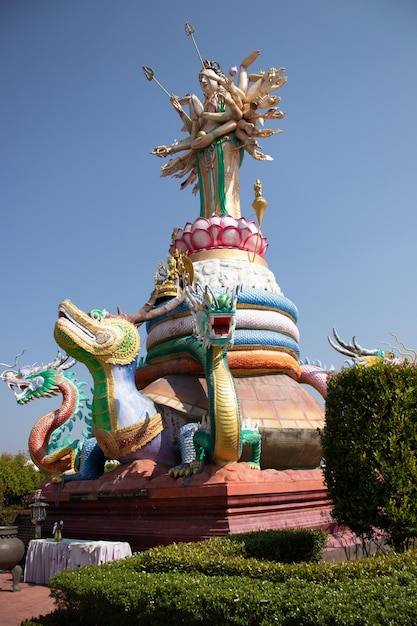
(289, 545)
(370, 452)
(191, 599)
(215, 583)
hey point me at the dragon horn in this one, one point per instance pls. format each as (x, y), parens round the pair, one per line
(210, 295)
(351, 349)
(54, 364)
(364, 351)
(60, 361)
(189, 296)
(340, 346)
(65, 364)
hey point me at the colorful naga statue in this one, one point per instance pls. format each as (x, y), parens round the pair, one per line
(364, 356)
(317, 376)
(50, 448)
(214, 325)
(127, 424)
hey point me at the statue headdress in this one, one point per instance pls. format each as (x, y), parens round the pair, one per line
(214, 66)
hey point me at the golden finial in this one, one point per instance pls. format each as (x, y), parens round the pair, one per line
(259, 206)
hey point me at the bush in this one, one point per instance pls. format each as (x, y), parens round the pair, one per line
(18, 478)
(289, 545)
(370, 452)
(217, 581)
(241, 554)
(377, 591)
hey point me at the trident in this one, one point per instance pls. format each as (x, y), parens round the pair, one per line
(150, 75)
(189, 30)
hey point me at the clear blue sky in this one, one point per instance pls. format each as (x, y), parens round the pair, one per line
(86, 216)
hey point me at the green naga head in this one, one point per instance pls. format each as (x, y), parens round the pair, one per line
(214, 315)
(31, 381)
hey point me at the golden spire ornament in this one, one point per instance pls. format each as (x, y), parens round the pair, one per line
(259, 206)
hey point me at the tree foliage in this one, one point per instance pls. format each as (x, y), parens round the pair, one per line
(18, 478)
(370, 450)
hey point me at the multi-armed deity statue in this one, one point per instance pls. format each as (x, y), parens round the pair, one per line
(219, 129)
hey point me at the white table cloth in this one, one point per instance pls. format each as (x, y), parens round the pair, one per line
(46, 556)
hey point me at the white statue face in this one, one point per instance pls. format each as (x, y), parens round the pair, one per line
(208, 83)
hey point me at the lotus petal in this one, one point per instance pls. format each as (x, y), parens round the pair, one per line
(253, 242)
(201, 239)
(230, 237)
(200, 222)
(215, 219)
(228, 220)
(214, 230)
(187, 241)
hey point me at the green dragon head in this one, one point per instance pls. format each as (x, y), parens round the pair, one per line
(214, 315)
(29, 381)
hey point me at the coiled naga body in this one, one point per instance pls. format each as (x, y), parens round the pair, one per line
(50, 446)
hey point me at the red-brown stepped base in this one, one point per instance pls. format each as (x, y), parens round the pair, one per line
(141, 504)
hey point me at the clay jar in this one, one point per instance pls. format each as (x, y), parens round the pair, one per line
(12, 550)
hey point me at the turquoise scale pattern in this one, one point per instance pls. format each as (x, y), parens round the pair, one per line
(248, 298)
(259, 298)
(264, 338)
(245, 338)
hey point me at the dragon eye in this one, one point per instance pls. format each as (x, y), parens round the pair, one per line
(102, 337)
(37, 382)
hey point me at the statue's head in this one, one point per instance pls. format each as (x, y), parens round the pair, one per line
(214, 315)
(31, 381)
(210, 76)
(96, 335)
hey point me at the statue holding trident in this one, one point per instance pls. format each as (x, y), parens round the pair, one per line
(220, 129)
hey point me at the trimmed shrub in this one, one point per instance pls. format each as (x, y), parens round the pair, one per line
(171, 585)
(378, 591)
(369, 443)
(290, 545)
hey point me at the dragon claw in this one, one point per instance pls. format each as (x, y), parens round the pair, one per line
(178, 471)
(196, 466)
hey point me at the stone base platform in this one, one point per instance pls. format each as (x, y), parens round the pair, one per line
(141, 504)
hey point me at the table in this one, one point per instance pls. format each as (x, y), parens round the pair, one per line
(47, 556)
